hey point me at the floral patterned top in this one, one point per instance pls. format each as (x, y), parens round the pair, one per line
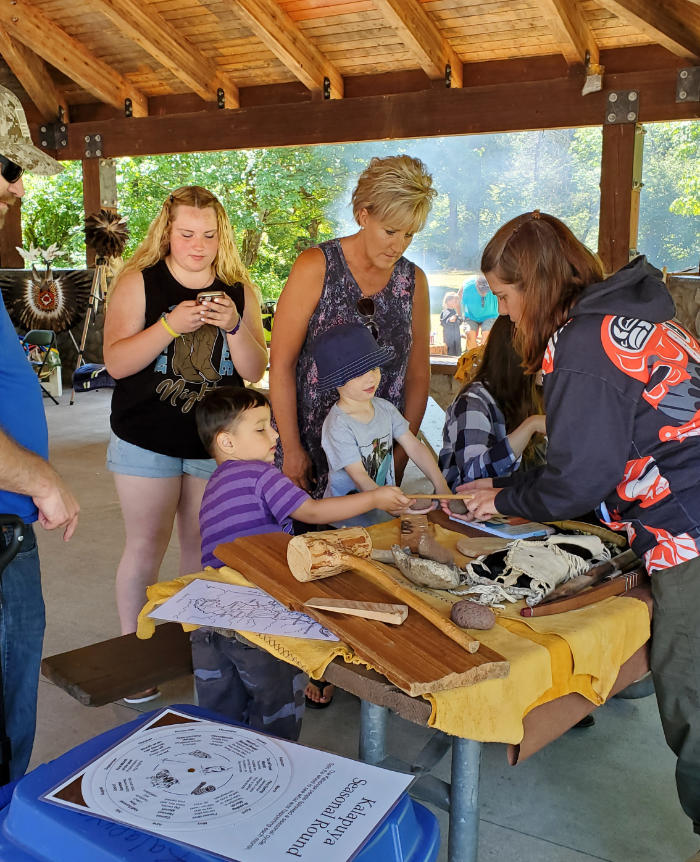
(393, 312)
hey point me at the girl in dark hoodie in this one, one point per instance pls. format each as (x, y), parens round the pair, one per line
(622, 399)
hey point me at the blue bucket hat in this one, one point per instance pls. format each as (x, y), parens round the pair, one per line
(344, 352)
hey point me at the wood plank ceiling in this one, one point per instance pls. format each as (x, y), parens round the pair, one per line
(90, 58)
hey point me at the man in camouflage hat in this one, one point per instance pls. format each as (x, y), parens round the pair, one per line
(30, 488)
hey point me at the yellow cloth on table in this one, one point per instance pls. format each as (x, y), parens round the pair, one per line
(579, 651)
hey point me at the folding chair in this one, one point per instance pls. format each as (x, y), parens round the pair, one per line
(45, 339)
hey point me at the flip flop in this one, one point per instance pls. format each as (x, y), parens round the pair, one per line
(321, 685)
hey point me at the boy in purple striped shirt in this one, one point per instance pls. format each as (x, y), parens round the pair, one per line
(247, 495)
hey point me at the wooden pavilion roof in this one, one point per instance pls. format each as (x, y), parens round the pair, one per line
(270, 72)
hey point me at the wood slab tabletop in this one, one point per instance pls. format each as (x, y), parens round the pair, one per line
(415, 656)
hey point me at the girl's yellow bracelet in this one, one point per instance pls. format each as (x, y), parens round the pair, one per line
(168, 328)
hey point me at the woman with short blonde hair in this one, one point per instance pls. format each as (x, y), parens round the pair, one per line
(361, 278)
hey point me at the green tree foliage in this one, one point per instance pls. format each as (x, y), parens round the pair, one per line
(283, 200)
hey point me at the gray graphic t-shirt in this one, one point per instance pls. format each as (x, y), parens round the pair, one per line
(346, 441)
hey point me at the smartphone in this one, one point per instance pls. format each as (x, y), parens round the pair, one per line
(208, 295)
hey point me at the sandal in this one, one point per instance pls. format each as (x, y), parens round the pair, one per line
(321, 685)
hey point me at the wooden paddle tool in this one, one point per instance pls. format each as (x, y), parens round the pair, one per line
(319, 555)
(384, 612)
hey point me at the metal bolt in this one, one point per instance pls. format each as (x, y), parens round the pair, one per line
(611, 118)
(631, 116)
(684, 73)
(98, 137)
(87, 139)
(682, 94)
(44, 143)
(632, 96)
(612, 97)
(87, 154)
(98, 153)
(43, 129)
(63, 128)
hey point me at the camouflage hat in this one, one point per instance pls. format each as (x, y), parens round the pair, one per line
(16, 142)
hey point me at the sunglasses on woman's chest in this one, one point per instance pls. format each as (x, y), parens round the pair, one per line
(365, 308)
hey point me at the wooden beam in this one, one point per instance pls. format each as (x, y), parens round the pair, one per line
(675, 24)
(11, 238)
(31, 27)
(554, 103)
(419, 33)
(571, 30)
(273, 26)
(31, 72)
(161, 40)
(616, 179)
(92, 198)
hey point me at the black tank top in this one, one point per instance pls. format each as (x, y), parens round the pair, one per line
(155, 408)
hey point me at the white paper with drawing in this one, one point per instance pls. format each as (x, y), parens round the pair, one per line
(246, 609)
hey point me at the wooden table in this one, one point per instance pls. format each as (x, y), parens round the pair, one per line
(104, 672)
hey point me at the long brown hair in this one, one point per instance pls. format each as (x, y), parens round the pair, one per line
(501, 372)
(541, 258)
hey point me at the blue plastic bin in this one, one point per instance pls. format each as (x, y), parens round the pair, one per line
(35, 831)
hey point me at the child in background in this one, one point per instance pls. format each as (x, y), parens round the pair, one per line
(245, 495)
(359, 432)
(451, 322)
(491, 422)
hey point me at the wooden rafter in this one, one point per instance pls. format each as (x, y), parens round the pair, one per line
(30, 70)
(273, 26)
(421, 36)
(571, 30)
(675, 24)
(27, 24)
(161, 40)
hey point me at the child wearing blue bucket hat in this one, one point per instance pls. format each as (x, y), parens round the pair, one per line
(359, 432)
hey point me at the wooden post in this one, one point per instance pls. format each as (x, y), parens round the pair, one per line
(91, 197)
(11, 237)
(616, 181)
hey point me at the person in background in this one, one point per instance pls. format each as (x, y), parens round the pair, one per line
(30, 488)
(622, 398)
(450, 322)
(479, 309)
(166, 349)
(247, 495)
(494, 417)
(359, 432)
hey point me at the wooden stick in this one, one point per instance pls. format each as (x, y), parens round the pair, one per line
(384, 612)
(310, 557)
(616, 587)
(440, 496)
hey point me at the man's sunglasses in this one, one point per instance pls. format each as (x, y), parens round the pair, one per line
(365, 308)
(9, 171)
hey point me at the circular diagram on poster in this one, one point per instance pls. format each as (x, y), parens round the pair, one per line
(188, 775)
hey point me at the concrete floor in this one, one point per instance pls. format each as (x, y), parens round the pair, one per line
(606, 793)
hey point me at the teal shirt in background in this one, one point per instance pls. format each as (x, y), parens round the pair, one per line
(475, 306)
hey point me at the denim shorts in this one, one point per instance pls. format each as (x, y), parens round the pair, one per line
(470, 325)
(130, 460)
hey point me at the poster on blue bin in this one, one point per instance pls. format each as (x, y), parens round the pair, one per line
(234, 792)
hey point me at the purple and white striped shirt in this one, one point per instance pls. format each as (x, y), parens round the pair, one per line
(243, 498)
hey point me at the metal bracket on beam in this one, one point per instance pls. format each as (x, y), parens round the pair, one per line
(688, 84)
(326, 88)
(448, 76)
(128, 108)
(93, 147)
(622, 106)
(220, 98)
(54, 136)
